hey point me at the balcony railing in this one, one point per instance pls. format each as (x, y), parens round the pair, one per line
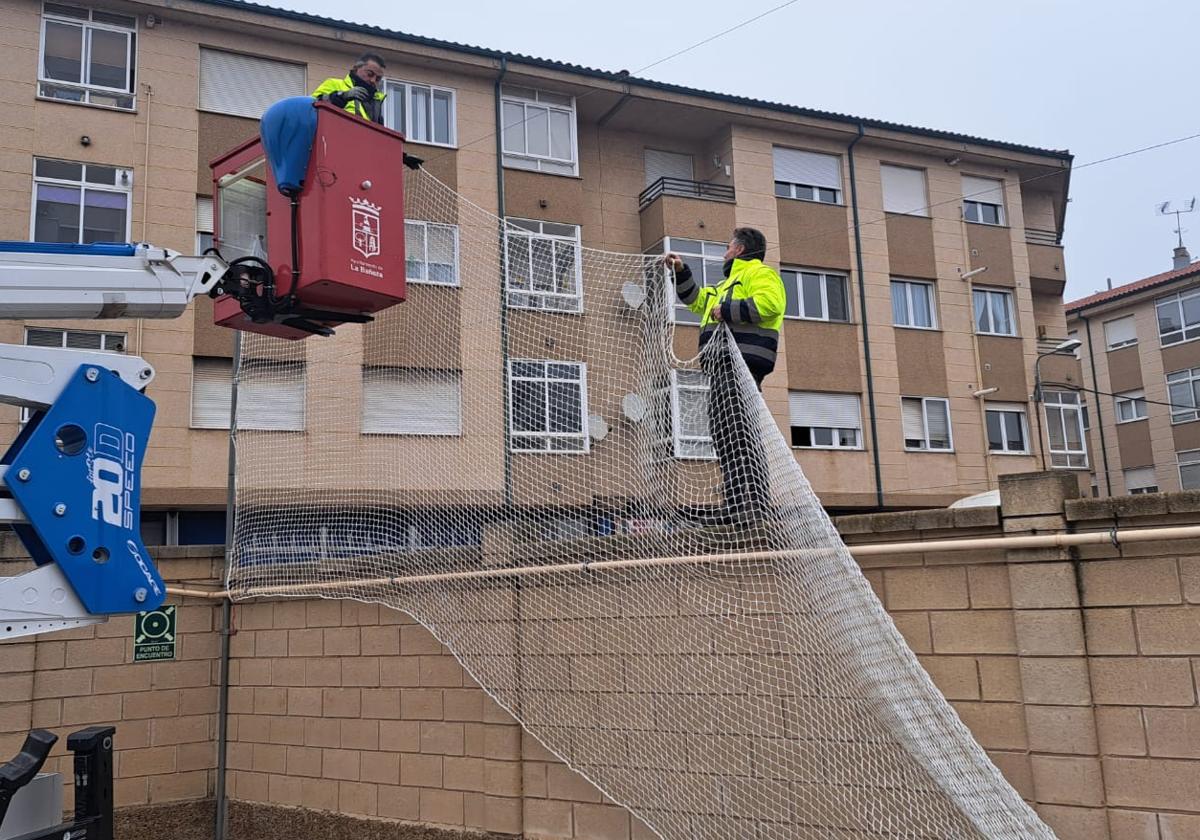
(1038, 236)
(685, 188)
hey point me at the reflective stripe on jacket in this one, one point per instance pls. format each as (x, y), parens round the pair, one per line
(752, 300)
(372, 111)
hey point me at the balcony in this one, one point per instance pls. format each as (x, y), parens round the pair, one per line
(1038, 236)
(685, 188)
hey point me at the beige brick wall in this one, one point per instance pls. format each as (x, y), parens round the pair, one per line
(165, 712)
(1076, 671)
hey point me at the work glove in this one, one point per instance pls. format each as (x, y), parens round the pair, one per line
(341, 97)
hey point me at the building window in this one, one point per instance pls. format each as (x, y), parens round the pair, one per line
(904, 190)
(1064, 427)
(825, 421)
(660, 164)
(431, 253)
(548, 406)
(683, 416)
(912, 305)
(1178, 317)
(80, 203)
(422, 113)
(1120, 332)
(926, 424)
(808, 176)
(993, 312)
(270, 395)
(1130, 406)
(87, 56)
(204, 223)
(1189, 469)
(815, 295)
(1140, 480)
(1182, 388)
(75, 339)
(538, 130)
(404, 401)
(983, 200)
(1007, 431)
(706, 260)
(543, 265)
(246, 85)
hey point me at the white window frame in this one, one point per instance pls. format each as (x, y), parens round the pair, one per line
(1184, 411)
(425, 228)
(1145, 488)
(809, 192)
(528, 99)
(83, 185)
(989, 294)
(835, 436)
(1128, 342)
(451, 378)
(547, 435)
(793, 287)
(701, 448)
(711, 259)
(909, 306)
(972, 207)
(399, 90)
(925, 401)
(1135, 402)
(1065, 458)
(1186, 331)
(514, 227)
(84, 85)
(204, 226)
(1188, 458)
(1003, 409)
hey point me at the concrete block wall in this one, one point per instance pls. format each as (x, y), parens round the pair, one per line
(1075, 669)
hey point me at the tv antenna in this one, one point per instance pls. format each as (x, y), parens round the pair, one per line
(1165, 209)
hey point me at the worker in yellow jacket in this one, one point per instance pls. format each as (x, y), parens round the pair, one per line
(359, 91)
(750, 301)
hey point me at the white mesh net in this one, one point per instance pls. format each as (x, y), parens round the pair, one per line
(689, 634)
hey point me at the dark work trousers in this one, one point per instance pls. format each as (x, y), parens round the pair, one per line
(732, 423)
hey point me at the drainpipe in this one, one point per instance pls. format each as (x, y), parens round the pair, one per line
(1087, 324)
(227, 606)
(500, 211)
(862, 306)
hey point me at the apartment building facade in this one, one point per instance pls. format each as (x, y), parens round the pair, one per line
(924, 269)
(1141, 369)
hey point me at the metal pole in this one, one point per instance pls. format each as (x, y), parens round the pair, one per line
(227, 607)
(1107, 537)
(1037, 407)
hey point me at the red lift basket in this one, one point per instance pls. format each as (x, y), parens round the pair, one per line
(350, 229)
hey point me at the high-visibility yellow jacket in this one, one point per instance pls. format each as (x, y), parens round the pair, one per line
(752, 301)
(372, 111)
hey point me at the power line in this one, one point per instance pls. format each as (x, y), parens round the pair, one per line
(524, 120)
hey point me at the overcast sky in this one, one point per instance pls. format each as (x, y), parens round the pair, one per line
(1098, 78)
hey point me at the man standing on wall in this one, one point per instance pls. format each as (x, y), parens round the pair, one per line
(750, 300)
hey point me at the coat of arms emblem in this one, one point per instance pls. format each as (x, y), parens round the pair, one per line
(364, 226)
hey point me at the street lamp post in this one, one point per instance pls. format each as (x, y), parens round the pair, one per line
(1065, 347)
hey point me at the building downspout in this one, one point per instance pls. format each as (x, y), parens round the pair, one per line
(222, 815)
(500, 211)
(1087, 325)
(862, 306)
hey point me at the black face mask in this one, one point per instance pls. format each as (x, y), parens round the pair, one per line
(358, 82)
(728, 266)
